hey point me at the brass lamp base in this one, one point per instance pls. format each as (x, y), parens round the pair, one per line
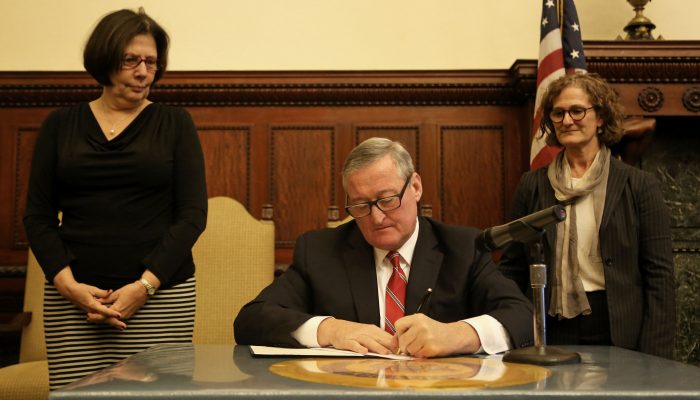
(542, 356)
(640, 27)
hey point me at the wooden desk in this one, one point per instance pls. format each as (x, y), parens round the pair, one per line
(211, 371)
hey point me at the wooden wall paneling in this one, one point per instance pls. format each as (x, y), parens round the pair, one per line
(302, 181)
(344, 143)
(472, 175)
(429, 160)
(260, 165)
(227, 161)
(221, 101)
(7, 178)
(8, 162)
(407, 135)
(18, 131)
(517, 126)
(344, 100)
(25, 140)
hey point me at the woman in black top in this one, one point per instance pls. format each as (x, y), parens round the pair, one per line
(127, 175)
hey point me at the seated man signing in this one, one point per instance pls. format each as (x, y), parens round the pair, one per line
(358, 286)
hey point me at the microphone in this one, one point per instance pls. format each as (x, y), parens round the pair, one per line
(519, 230)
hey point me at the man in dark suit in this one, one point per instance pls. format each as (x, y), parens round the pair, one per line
(341, 289)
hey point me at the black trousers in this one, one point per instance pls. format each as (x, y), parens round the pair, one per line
(592, 329)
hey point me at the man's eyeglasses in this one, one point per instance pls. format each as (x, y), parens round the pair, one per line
(131, 62)
(388, 203)
(576, 113)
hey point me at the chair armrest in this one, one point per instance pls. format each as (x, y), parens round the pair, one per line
(14, 322)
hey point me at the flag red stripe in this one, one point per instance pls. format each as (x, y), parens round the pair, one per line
(536, 123)
(544, 157)
(550, 63)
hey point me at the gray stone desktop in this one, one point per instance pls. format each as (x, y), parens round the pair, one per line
(673, 157)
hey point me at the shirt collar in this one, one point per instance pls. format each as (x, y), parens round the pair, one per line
(405, 251)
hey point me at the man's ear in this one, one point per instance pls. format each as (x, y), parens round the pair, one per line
(416, 187)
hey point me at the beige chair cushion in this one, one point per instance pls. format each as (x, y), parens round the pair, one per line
(33, 346)
(27, 380)
(335, 224)
(30, 378)
(234, 259)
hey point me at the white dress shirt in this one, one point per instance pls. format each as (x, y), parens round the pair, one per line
(493, 336)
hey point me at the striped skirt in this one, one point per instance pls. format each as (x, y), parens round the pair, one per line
(76, 348)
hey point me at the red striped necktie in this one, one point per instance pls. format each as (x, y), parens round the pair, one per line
(395, 293)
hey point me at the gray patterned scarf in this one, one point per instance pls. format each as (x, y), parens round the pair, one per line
(568, 297)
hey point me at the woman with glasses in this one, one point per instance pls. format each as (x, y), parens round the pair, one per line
(610, 267)
(127, 177)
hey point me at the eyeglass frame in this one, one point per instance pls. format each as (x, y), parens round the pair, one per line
(564, 112)
(375, 203)
(143, 60)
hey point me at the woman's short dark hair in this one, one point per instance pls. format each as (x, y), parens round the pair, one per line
(105, 48)
(603, 98)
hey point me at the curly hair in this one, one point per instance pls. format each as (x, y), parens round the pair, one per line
(104, 49)
(603, 98)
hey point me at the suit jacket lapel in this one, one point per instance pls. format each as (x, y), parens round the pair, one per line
(547, 199)
(425, 266)
(616, 185)
(358, 257)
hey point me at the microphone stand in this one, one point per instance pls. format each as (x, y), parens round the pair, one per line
(539, 354)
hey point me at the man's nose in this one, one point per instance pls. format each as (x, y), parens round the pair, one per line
(376, 214)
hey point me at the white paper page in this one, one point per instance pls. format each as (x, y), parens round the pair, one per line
(318, 352)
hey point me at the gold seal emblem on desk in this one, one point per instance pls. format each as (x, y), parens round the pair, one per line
(419, 374)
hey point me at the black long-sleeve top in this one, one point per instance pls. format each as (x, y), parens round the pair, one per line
(138, 201)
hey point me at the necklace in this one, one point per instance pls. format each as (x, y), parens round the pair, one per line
(113, 129)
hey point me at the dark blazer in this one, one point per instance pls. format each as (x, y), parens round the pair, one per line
(635, 246)
(333, 273)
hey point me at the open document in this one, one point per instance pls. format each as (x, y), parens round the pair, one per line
(318, 352)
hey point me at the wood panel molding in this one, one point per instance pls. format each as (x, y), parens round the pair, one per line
(645, 62)
(617, 61)
(691, 99)
(198, 89)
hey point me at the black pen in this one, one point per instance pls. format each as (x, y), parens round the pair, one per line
(424, 301)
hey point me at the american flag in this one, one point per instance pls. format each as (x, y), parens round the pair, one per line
(561, 52)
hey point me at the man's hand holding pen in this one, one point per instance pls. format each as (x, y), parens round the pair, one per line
(421, 336)
(416, 335)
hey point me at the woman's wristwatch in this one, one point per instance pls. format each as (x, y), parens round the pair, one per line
(150, 289)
